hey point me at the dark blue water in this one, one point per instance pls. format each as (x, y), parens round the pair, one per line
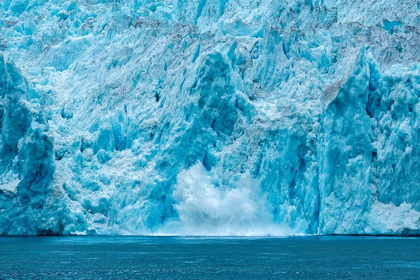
(209, 258)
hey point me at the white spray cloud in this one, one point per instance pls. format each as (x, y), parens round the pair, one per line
(207, 207)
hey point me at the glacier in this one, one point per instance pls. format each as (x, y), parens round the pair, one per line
(209, 117)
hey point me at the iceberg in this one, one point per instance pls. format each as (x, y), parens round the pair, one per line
(209, 117)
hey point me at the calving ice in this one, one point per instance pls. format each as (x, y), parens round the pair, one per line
(224, 117)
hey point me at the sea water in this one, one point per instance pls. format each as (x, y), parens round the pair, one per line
(128, 257)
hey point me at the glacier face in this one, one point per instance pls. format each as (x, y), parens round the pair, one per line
(209, 117)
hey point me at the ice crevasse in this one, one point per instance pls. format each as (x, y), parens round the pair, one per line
(209, 117)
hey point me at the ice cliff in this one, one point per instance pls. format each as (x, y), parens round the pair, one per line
(209, 117)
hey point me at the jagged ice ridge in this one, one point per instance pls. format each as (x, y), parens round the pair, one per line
(209, 117)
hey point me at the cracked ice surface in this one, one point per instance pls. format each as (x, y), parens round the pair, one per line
(227, 117)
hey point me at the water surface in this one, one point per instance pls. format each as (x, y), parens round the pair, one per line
(209, 258)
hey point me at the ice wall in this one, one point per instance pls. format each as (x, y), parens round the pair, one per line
(209, 117)
(26, 157)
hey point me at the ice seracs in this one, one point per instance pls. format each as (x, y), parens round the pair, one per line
(145, 117)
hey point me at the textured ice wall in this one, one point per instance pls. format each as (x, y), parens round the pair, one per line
(26, 157)
(168, 116)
